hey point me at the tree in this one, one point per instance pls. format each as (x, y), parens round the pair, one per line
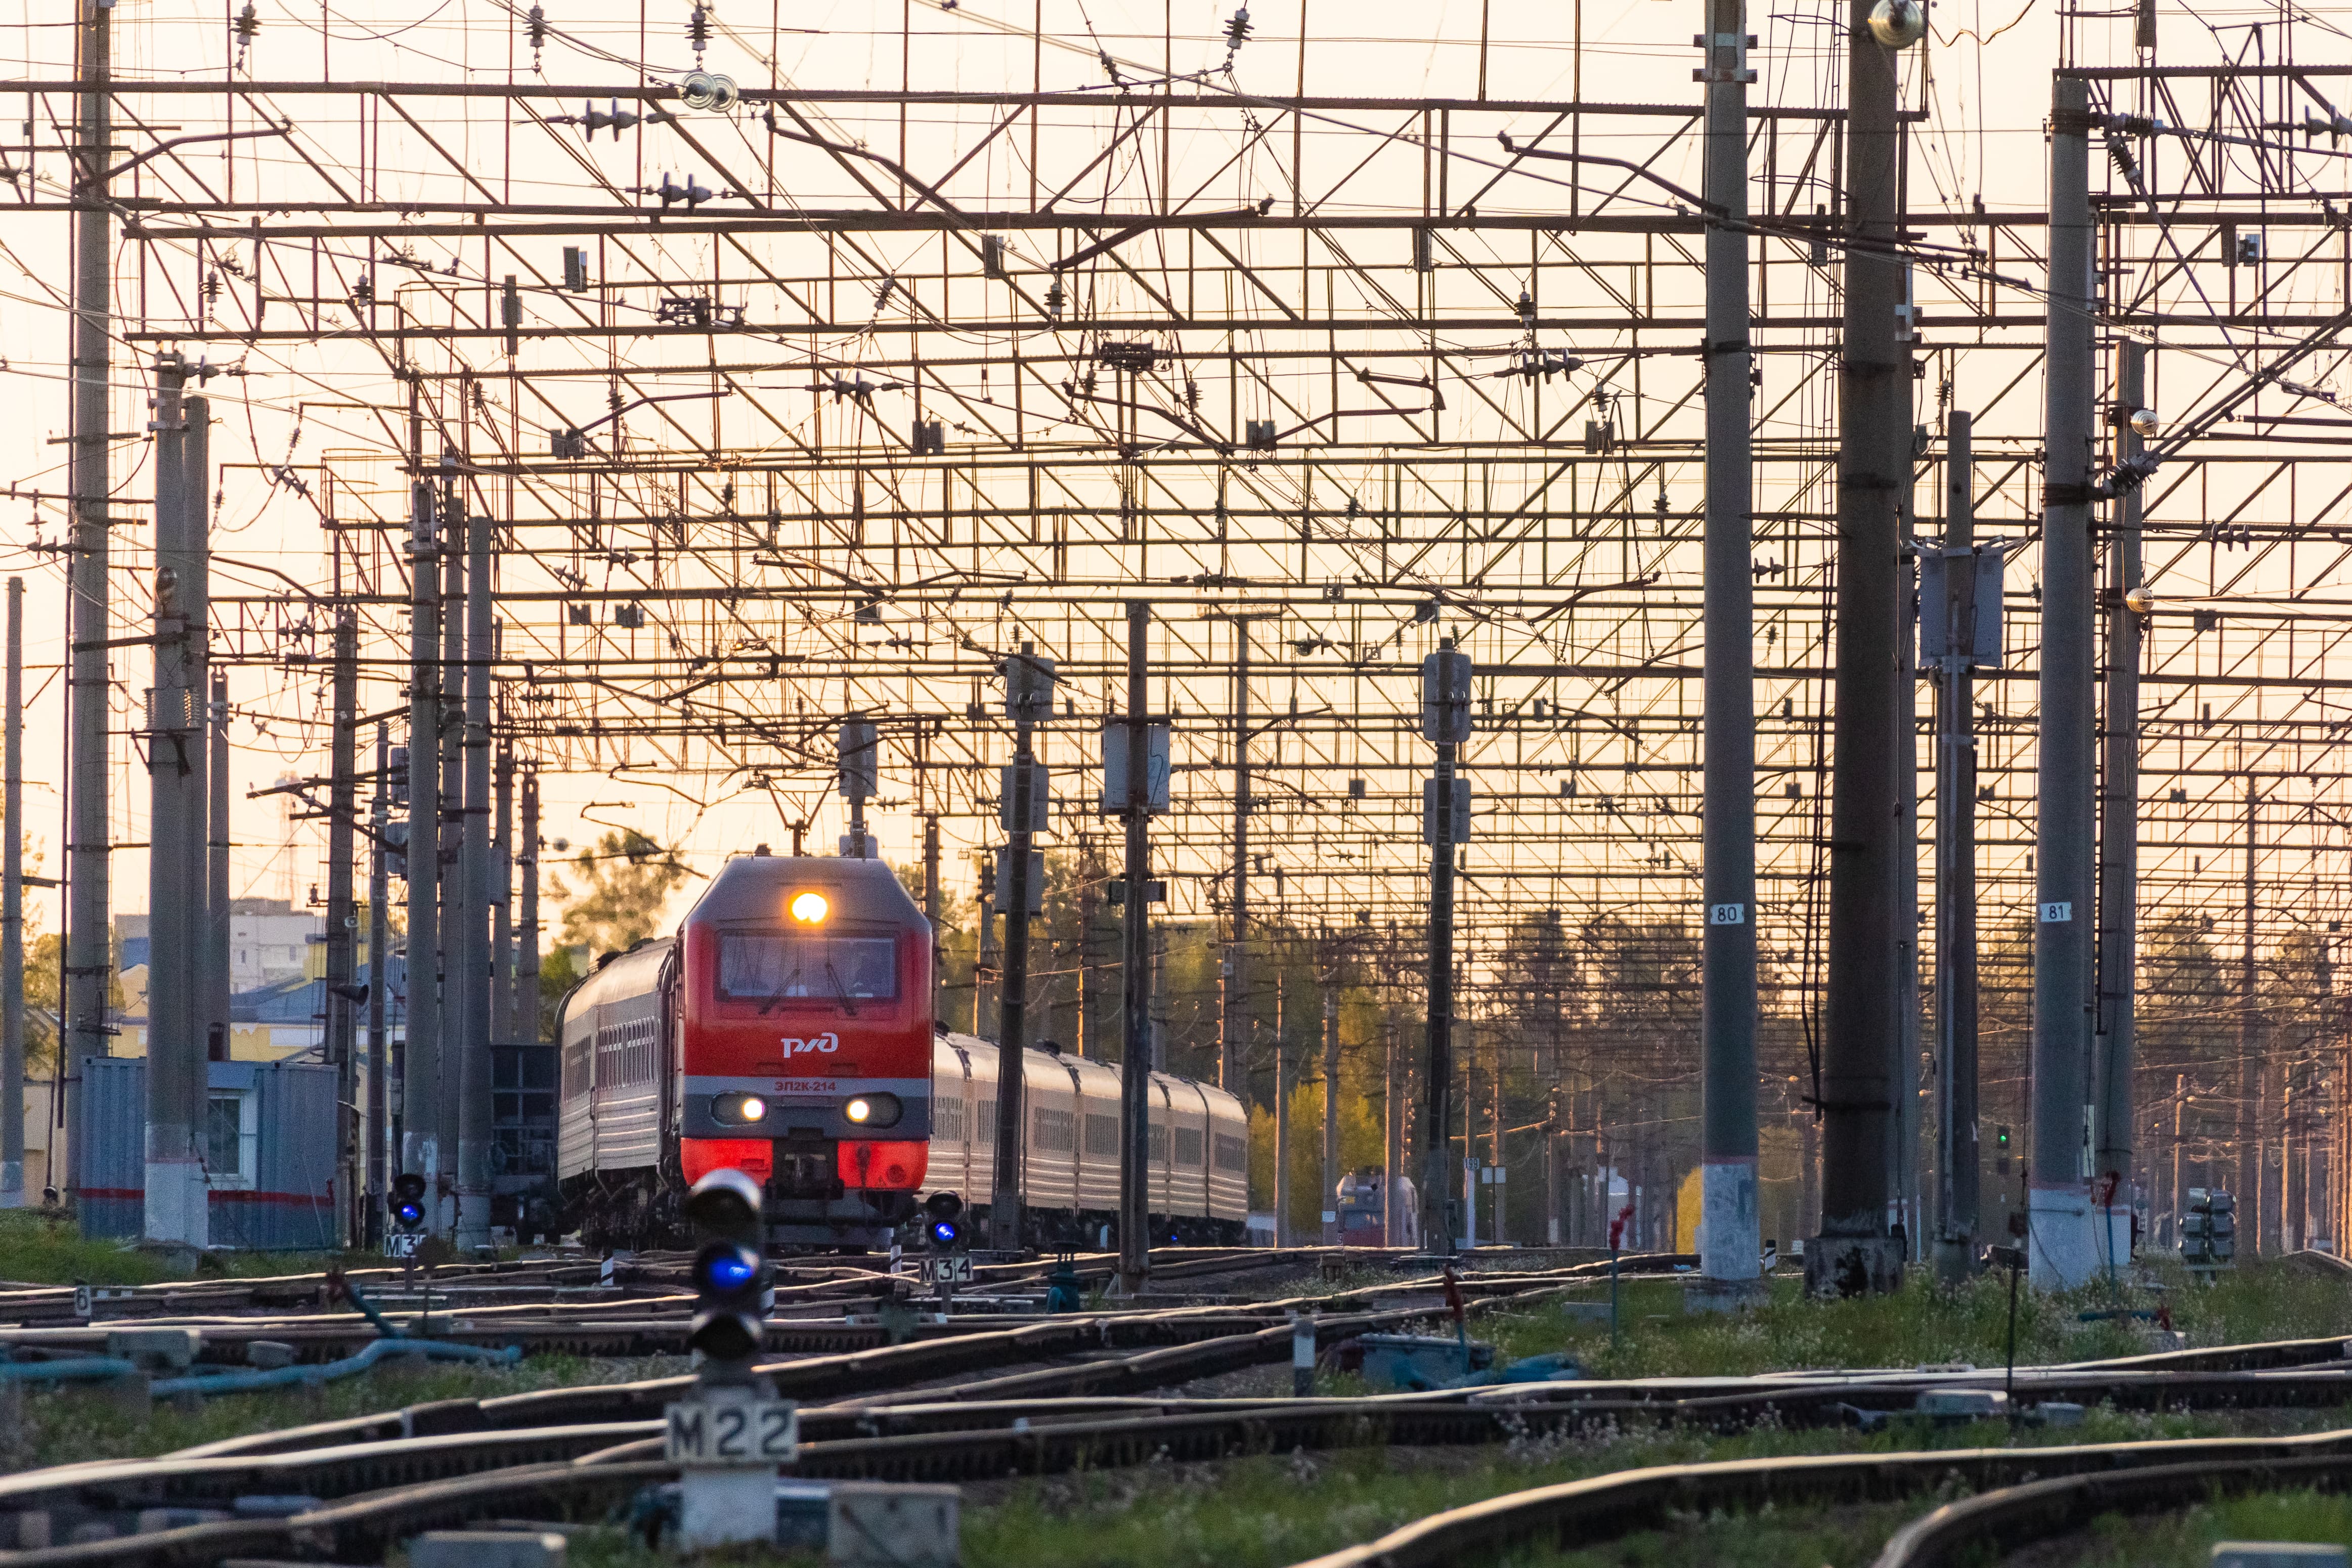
(559, 971)
(621, 885)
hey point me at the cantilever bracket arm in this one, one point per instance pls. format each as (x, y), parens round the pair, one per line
(640, 402)
(1713, 209)
(162, 147)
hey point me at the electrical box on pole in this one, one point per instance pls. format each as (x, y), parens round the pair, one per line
(1036, 889)
(859, 750)
(1117, 791)
(1960, 604)
(1459, 830)
(1028, 686)
(1445, 697)
(1041, 800)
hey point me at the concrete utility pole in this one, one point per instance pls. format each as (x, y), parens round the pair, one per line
(175, 1207)
(379, 995)
(1135, 966)
(216, 982)
(1234, 1038)
(1956, 869)
(1392, 1115)
(526, 960)
(2250, 1047)
(1283, 1236)
(1730, 1232)
(2061, 1250)
(342, 915)
(88, 958)
(1028, 698)
(2167, 1219)
(2119, 835)
(1859, 1075)
(1445, 722)
(1330, 1206)
(502, 954)
(470, 953)
(12, 912)
(420, 1098)
(931, 888)
(449, 867)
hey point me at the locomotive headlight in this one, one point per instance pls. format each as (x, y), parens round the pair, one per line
(740, 1108)
(872, 1111)
(810, 909)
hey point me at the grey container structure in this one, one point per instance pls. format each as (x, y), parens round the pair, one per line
(267, 1137)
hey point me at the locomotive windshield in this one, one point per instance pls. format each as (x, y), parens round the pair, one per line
(765, 966)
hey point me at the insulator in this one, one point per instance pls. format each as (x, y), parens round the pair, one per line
(535, 27)
(249, 21)
(698, 29)
(2120, 153)
(1237, 30)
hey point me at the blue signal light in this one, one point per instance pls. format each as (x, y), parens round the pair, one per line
(729, 1268)
(408, 1213)
(945, 1232)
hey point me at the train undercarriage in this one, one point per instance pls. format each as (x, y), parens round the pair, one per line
(638, 1211)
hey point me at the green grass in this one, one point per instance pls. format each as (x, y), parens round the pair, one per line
(1925, 1324)
(2185, 1539)
(65, 1425)
(41, 1248)
(1267, 1512)
(1271, 1511)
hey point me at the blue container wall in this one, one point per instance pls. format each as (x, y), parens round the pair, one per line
(290, 1204)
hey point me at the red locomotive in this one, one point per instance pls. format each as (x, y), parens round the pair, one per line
(787, 1032)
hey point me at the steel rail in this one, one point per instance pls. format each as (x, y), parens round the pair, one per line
(2014, 1516)
(1578, 1512)
(945, 1439)
(1602, 1508)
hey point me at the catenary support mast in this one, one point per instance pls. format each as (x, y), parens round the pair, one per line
(1729, 1235)
(1859, 1073)
(2061, 1250)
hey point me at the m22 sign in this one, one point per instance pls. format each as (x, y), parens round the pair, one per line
(749, 1434)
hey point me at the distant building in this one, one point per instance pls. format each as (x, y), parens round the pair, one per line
(269, 940)
(268, 1022)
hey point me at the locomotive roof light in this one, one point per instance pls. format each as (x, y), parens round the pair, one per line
(738, 1107)
(874, 1111)
(810, 909)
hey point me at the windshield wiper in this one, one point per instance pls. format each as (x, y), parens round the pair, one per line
(840, 991)
(780, 991)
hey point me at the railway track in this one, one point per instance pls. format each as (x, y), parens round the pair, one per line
(2022, 1494)
(370, 1493)
(962, 1406)
(645, 1324)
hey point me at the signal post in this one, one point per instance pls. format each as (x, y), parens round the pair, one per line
(730, 1432)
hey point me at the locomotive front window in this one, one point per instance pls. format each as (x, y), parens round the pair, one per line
(761, 966)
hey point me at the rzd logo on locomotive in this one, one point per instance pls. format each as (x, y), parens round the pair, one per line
(827, 1043)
